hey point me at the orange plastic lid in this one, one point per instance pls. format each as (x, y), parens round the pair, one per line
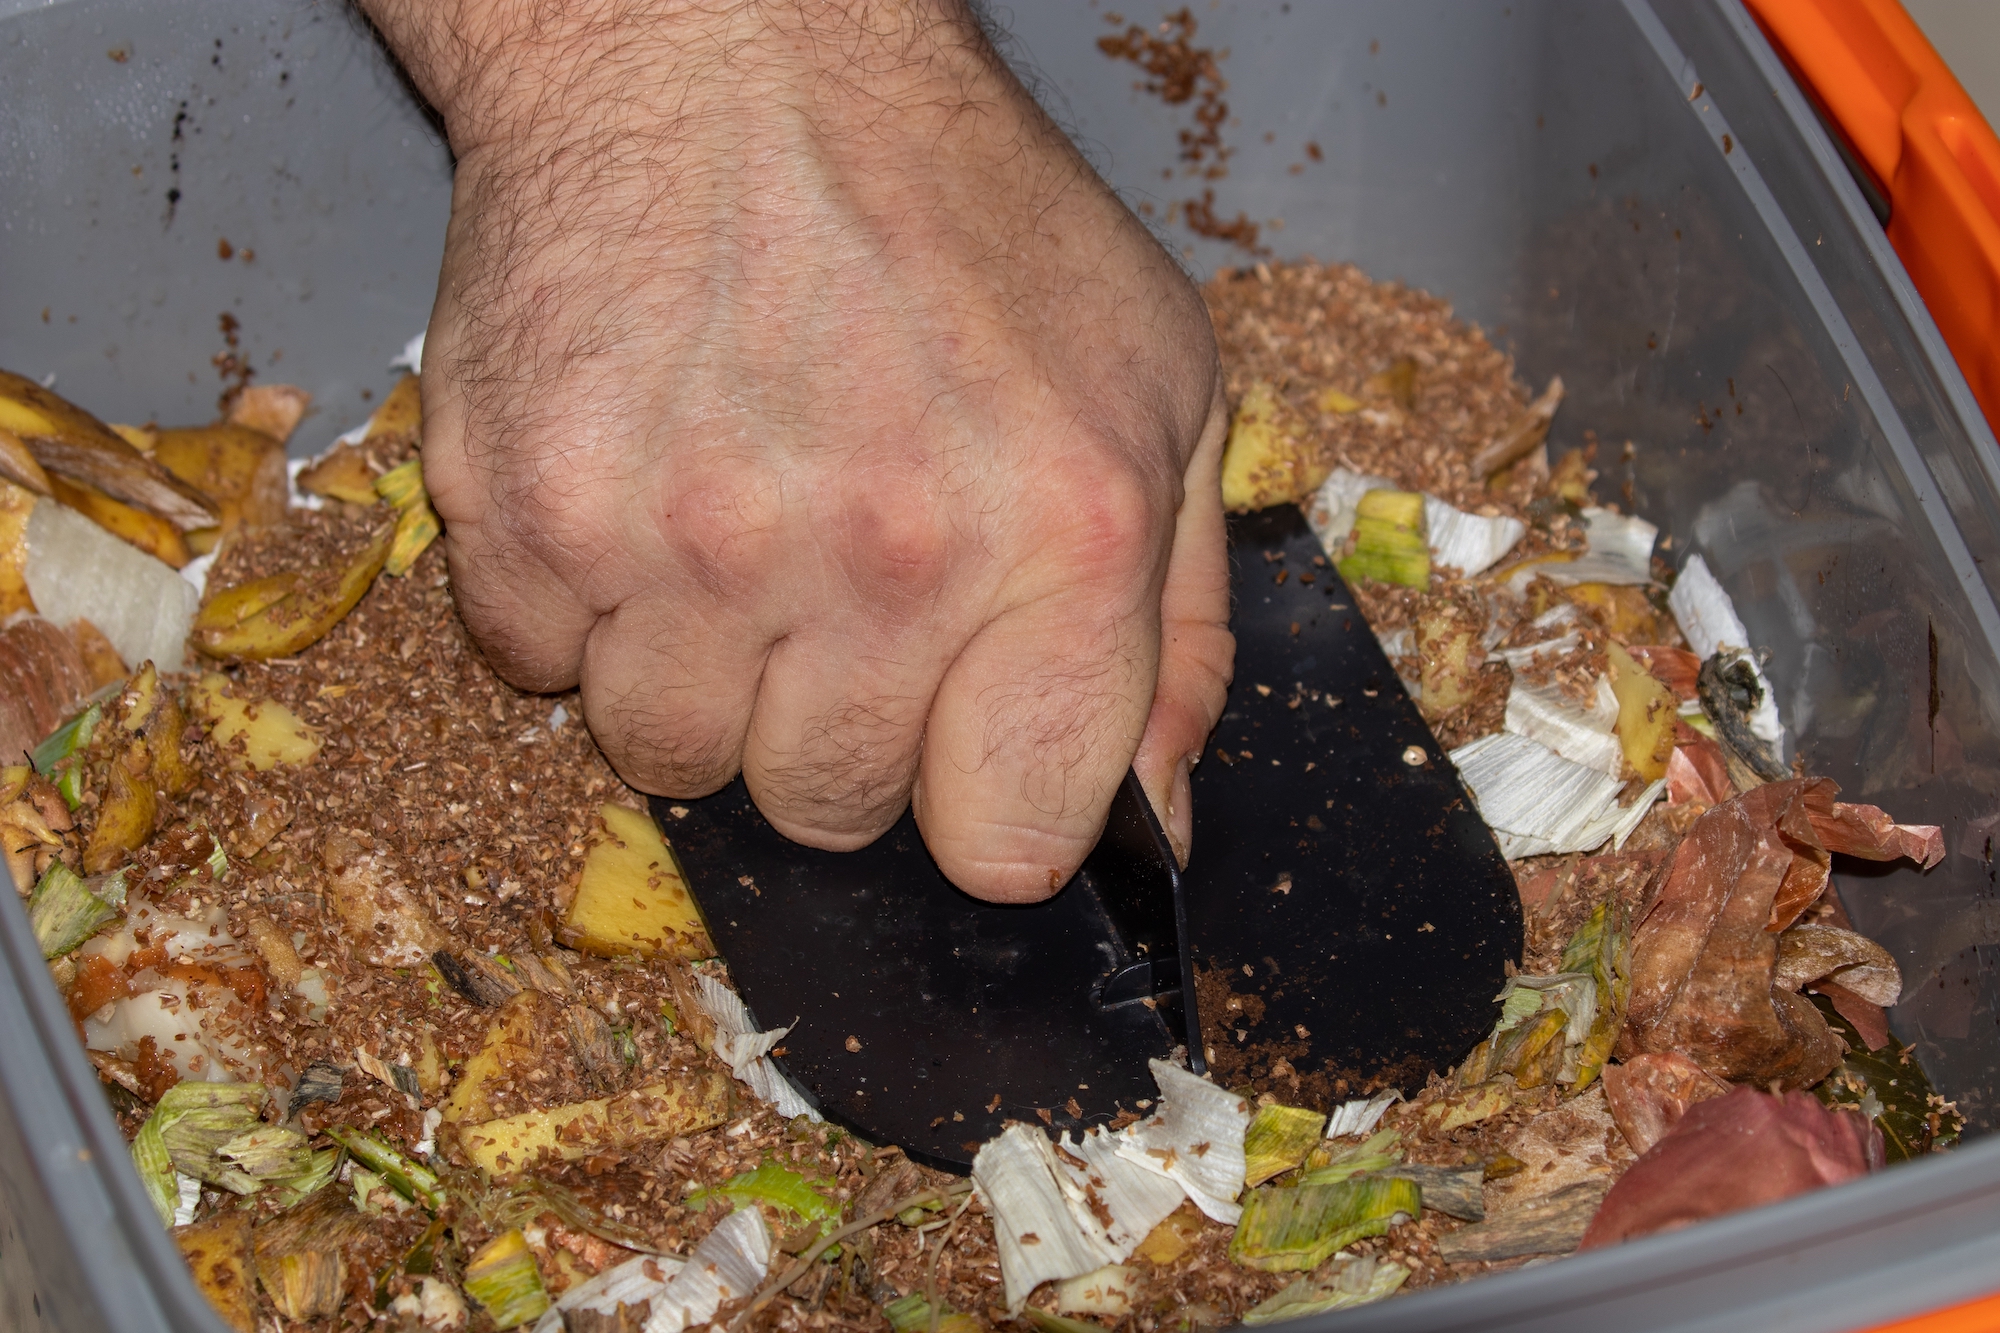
(1916, 130)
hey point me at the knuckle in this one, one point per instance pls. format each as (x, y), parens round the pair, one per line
(897, 541)
(1114, 518)
(723, 518)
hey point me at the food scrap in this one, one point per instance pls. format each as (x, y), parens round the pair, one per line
(406, 1009)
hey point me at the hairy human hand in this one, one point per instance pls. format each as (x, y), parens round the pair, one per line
(797, 389)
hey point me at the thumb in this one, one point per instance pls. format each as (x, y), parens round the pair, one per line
(1197, 651)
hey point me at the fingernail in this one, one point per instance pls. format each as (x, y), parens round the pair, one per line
(1180, 813)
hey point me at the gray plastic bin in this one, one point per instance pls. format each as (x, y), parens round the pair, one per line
(1699, 268)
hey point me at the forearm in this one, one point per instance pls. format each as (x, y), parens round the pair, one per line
(520, 70)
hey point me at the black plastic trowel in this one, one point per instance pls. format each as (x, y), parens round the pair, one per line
(1346, 915)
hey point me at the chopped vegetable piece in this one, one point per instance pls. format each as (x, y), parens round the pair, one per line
(18, 467)
(77, 571)
(273, 409)
(1353, 1119)
(1044, 1232)
(51, 758)
(778, 1186)
(67, 909)
(660, 1110)
(1471, 1105)
(726, 1266)
(313, 1174)
(1112, 1290)
(136, 527)
(383, 916)
(514, 1040)
(1523, 435)
(297, 617)
(1454, 1191)
(240, 470)
(197, 1119)
(70, 443)
(1704, 960)
(1356, 1282)
(416, 528)
(1297, 1229)
(1619, 547)
(419, 1184)
(1389, 540)
(156, 1170)
(1269, 459)
(1648, 1094)
(343, 473)
(1195, 1139)
(1049, 1322)
(271, 733)
(127, 811)
(303, 1284)
(1333, 509)
(1448, 655)
(912, 1314)
(1171, 1237)
(1584, 735)
(1278, 1139)
(1811, 951)
(402, 486)
(1330, 1164)
(1646, 714)
(1468, 543)
(16, 504)
(1889, 1086)
(218, 1255)
(1739, 1151)
(1551, 1223)
(633, 898)
(1601, 948)
(268, 1153)
(417, 523)
(1538, 802)
(719, 1022)
(401, 413)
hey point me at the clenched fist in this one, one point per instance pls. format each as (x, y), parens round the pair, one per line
(796, 389)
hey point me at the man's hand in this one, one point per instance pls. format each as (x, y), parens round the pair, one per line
(796, 387)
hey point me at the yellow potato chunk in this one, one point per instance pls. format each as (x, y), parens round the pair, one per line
(272, 734)
(401, 413)
(149, 532)
(126, 813)
(514, 1041)
(1448, 655)
(240, 469)
(344, 474)
(218, 1255)
(274, 409)
(282, 614)
(698, 1100)
(1624, 610)
(1646, 711)
(16, 503)
(1269, 459)
(633, 898)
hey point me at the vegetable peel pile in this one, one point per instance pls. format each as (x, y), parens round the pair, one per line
(397, 1046)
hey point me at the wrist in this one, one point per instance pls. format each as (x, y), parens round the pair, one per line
(522, 72)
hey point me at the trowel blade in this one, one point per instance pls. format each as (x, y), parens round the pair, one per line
(1346, 910)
